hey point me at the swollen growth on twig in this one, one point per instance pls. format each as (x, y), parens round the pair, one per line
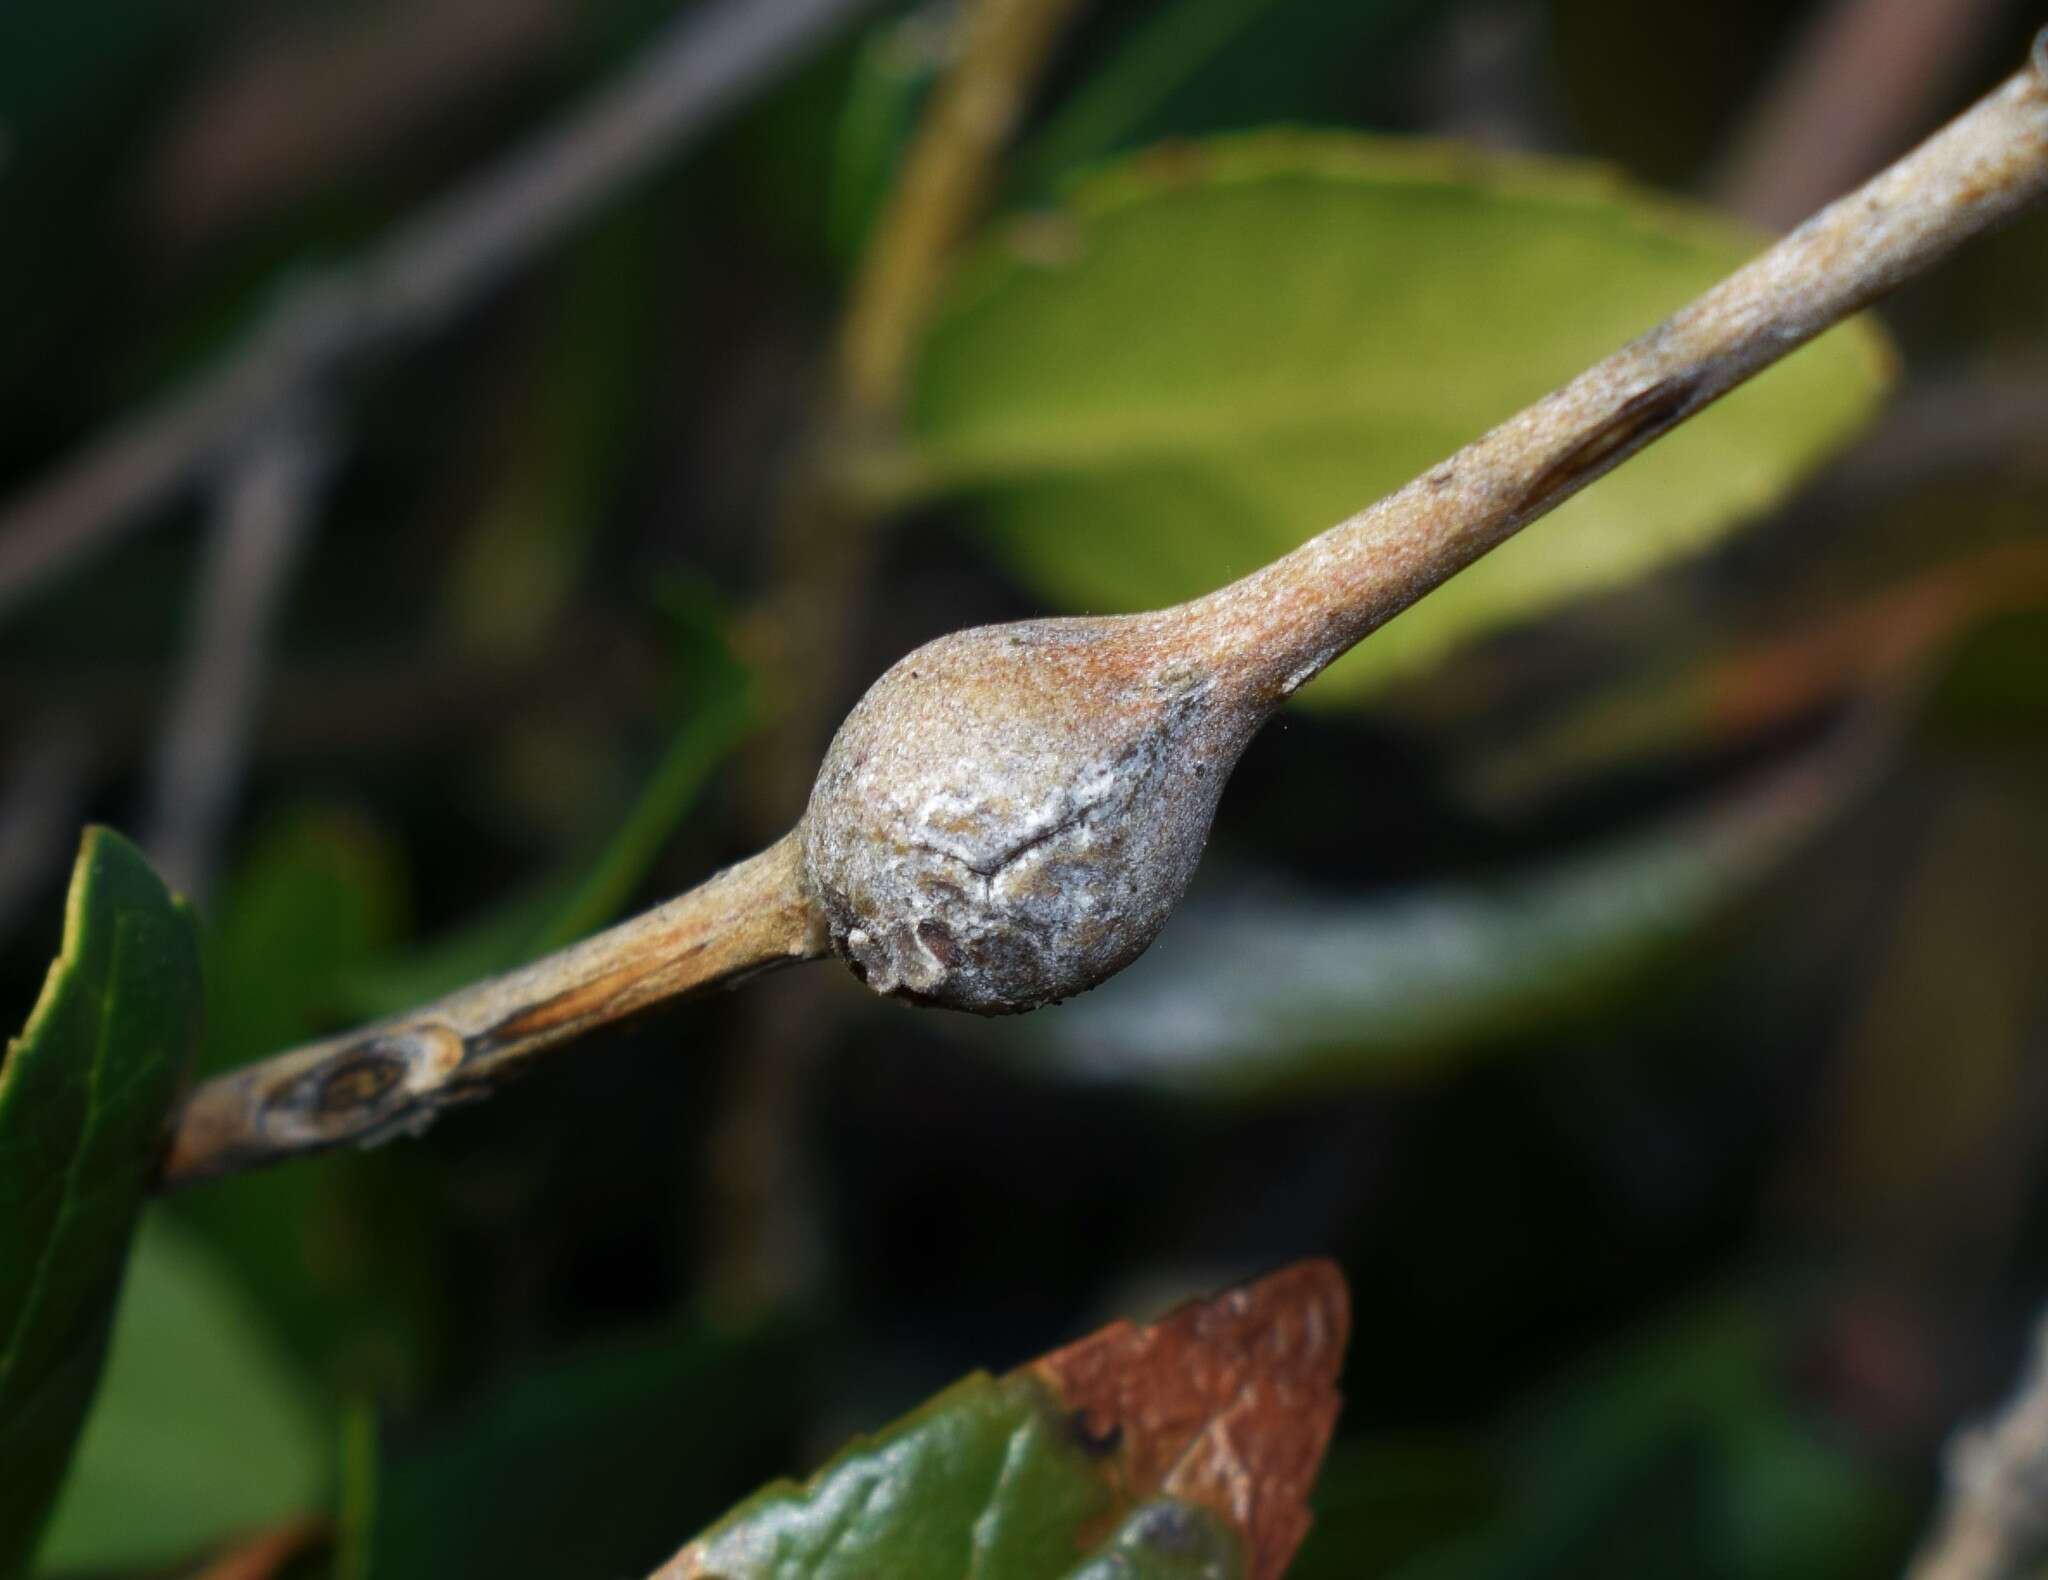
(1011, 813)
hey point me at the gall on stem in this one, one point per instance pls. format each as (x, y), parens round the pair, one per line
(1011, 813)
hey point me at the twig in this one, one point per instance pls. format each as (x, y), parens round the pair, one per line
(1866, 73)
(1283, 625)
(1265, 635)
(304, 96)
(1993, 1521)
(397, 1074)
(268, 503)
(940, 192)
(443, 260)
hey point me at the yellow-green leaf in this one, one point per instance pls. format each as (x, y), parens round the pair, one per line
(1214, 351)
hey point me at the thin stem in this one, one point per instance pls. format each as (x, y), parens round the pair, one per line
(398, 1074)
(268, 502)
(1281, 626)
(1993, 1521)
(1860, 81)
(702, 65)
(940, 192)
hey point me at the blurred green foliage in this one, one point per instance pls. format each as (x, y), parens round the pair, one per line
(203, 1430)
(1691, 1273)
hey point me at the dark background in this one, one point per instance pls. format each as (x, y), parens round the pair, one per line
(1687, 1254)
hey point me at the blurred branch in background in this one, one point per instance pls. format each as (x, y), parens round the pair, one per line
(267, 501)
(430, 269)
(1748, 686)
(302, 94)
(824, 542)
(1865, 77)
(761, 1210)
(1993, 1524)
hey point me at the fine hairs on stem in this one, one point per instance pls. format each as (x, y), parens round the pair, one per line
(1012, 812)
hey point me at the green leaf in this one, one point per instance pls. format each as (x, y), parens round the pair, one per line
(1213, 352)
(1156, 1437)
(986, 1479)
(894, 66)
(83, 1096)
(1283, 991)
(202, 1430)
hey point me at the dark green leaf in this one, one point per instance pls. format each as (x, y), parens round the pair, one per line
(1215, 351)
(591, 1464)
(1699, 1395)
(893, 69)
(1199, 66)
(986, 1479)
(83, 1096)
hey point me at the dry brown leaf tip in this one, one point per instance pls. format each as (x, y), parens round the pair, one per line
(267, 1554)
(1227, 1403)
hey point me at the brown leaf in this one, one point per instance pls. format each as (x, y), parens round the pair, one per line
(1227, 1403)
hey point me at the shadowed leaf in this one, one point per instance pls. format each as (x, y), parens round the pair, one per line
(586, 1465)
(1196, 66)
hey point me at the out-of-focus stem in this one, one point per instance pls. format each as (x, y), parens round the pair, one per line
(269, 498)
(428, 269)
